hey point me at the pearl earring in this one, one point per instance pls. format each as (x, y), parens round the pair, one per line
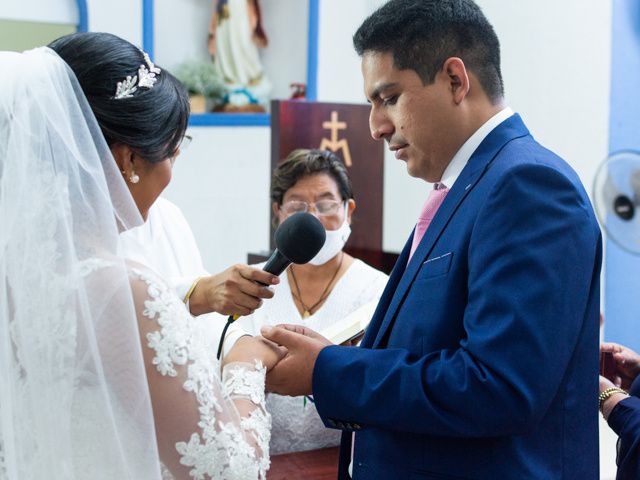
(134, 178)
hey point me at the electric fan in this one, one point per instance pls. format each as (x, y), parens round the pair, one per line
(616, 195)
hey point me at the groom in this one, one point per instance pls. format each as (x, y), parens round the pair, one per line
(481, 358)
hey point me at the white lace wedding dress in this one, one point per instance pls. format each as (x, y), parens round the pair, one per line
(104, 375)
(223, 430)
(218, 447)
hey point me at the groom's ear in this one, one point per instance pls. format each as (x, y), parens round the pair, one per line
(123, 156)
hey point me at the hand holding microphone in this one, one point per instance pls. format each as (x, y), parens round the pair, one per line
(298, 239)
(238, 290)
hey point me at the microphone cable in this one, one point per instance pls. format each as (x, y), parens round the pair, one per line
(230, 320)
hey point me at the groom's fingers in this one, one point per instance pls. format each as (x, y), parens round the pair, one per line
(282, 350)
(307, 332)
(282, 336)
(293, 328)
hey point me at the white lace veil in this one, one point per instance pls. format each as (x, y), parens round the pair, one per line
(73, 391)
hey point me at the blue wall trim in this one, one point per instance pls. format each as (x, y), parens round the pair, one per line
(230, 120)
(312, 50)
(83, 16)
(148, 27)
(622, 275)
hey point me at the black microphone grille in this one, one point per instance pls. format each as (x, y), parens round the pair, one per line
(300, 237)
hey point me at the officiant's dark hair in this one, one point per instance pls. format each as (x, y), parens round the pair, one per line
(303, 163)
(422, 34)
(152, 122)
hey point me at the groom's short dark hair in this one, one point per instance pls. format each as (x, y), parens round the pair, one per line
(422, 34)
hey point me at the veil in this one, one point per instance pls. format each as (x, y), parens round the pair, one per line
(73, 390)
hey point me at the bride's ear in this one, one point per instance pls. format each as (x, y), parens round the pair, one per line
(123, 156)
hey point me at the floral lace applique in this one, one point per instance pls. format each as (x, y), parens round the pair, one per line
(239, 381)
(222, 450)
(242, 382)
(259, 424)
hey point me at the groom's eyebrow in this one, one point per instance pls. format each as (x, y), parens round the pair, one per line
(375, 94)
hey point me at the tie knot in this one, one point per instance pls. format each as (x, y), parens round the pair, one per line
(434, 200)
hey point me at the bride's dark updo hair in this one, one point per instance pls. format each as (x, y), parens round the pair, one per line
(153, 121)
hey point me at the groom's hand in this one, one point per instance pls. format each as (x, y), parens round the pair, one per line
(293, 374)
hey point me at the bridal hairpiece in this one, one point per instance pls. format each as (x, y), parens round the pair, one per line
(145, 78)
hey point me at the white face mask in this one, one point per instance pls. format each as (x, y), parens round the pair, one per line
(334, 242)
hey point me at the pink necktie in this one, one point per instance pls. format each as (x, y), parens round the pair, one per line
(434, 200)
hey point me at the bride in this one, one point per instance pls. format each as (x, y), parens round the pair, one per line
(102, 373)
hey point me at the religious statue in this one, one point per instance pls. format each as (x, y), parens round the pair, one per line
(235, 34)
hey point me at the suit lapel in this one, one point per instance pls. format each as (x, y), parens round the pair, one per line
(508, 130)
(387, 295)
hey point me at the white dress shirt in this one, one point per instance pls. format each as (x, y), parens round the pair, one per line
(461, 158)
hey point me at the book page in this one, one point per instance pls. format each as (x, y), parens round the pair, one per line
(352, 325)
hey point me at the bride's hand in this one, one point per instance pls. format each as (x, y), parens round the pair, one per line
(249, 349)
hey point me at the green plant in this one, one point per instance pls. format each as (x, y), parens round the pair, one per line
(202, 78)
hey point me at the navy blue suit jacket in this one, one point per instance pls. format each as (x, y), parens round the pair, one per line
(481, 360)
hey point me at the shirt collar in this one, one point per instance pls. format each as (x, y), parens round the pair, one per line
(460, 159)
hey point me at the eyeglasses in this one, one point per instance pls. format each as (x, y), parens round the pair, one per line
(322, 207)
(185, 142)
(182, 146)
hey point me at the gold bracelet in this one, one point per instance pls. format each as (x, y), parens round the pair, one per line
(191, 289)
(605, 394)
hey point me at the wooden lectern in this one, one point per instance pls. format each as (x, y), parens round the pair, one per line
(344, 130)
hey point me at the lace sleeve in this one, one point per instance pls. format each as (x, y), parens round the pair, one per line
(206, 428)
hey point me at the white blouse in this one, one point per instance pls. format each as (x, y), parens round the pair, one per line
(166, 244)
(296, 425)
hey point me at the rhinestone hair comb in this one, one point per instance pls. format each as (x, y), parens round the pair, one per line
(146, 78)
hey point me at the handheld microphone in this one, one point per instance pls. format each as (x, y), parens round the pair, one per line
(298, 239)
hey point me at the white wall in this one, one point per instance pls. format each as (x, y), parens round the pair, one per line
(120, 17)
(48, 11)
(557, 73)
(286, 23)
(181, 28)
(221, 182)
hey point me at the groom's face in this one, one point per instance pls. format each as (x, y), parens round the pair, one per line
(415, 119)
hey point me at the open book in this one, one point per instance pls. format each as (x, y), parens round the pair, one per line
(352, 325)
